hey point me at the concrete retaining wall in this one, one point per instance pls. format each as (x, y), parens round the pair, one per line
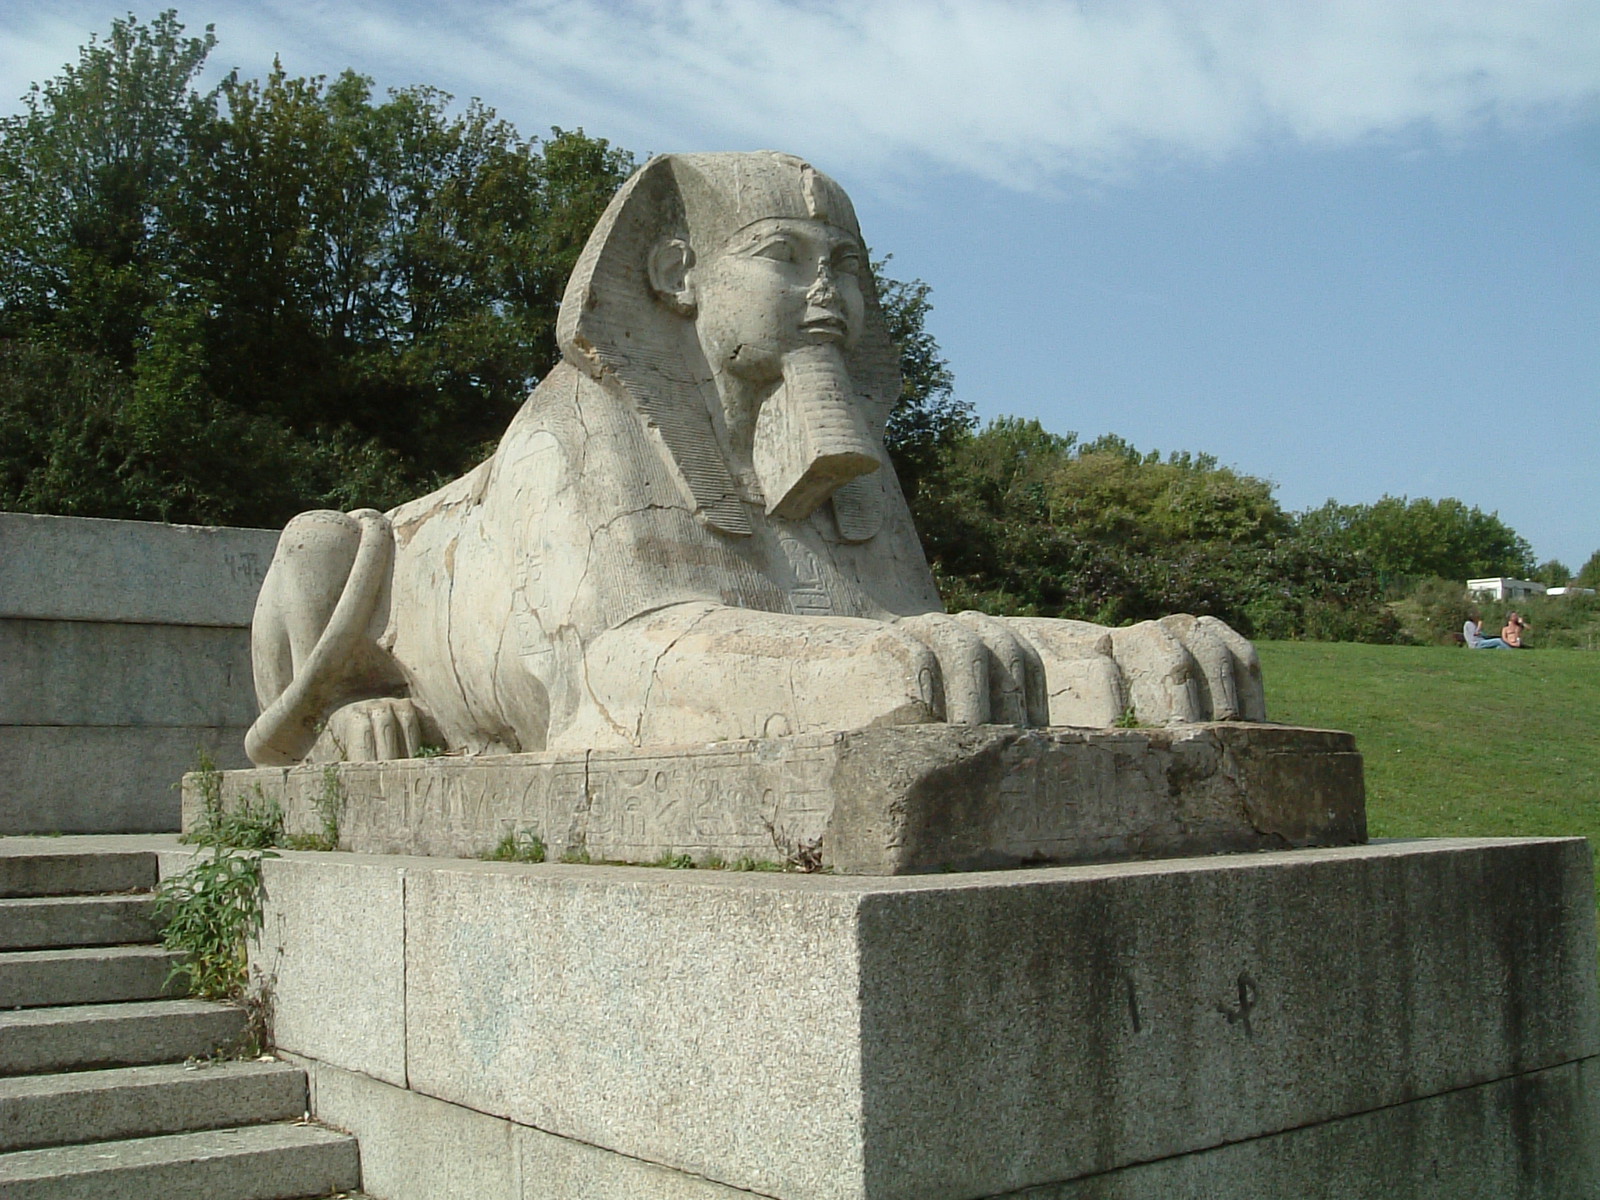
(1406, 1020)
(124, 647)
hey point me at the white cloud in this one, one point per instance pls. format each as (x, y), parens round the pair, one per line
(1020, 92)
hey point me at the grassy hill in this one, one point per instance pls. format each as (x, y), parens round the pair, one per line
(1457, 742)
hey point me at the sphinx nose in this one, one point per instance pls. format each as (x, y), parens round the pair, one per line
(824, 289)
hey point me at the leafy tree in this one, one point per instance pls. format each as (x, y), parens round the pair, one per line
(1552, 573)
(274, 294)
(1589, 574)
(1020, 520)
(928, 417)
(1406, 539)
(59, 414)
(84, 172)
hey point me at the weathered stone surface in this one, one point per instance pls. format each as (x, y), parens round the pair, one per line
(102, 779)
(39, 922)
(1530, 1137)
(117, 674)
(942, 1037)
(85, 569)
(279, 1162)
(690, 531)
(90, 1036)
(123, 647)
(557, 1168)
(130, 1102)
(331, 953)
(63, 866)
(1137, 1011)
(414, 1147)
(936, 798)
(710, 1028)
(875, 801)
(94, 975)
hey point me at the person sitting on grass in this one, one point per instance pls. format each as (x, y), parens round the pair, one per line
(1472, 635)
(1514, 628)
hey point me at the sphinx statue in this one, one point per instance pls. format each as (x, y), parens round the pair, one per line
(690, 531)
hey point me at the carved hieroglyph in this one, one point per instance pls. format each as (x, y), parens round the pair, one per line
(689, 533)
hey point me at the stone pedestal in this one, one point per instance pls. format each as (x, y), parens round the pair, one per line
(899, 800)
(124, 651)
(1405, 1020)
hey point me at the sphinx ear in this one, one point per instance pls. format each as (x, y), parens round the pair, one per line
(669, 265)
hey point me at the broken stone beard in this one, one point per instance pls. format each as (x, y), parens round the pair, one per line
(809, 436)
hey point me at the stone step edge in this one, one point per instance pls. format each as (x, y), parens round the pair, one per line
(66, 1108)
(78, 922)
(173, 1151)
(48, 871)
(97, 1026)
(88, 975)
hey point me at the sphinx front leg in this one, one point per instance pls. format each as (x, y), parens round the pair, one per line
(707, 672)
(1175, 670)
(374, 730)
(313, 637)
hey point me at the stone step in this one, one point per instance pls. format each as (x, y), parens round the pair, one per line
(258, 1162)
(41, 922)
(92, 975)
(88, 1036)
(34, 872)
(136, 1102)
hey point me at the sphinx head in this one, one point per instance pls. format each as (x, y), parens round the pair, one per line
(759, 260)
(778, 273)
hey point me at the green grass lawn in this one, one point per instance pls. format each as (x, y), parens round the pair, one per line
(1457, 742)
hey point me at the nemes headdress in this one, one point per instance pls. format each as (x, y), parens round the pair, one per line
(611, 324)
(723, 193)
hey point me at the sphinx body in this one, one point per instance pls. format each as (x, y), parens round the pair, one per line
(690, 531)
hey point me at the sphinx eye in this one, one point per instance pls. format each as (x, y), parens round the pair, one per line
(848, 261)
(776, 250)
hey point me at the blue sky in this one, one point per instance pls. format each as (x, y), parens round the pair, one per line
(1352, 246)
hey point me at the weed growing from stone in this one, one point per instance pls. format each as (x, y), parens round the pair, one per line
(798, 854)
(674, 862)
(515, 846)
(745, 863)
(211, 910)
(329, 804)
(254, 823)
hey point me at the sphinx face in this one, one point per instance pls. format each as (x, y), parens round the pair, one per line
(776, 309)
(778, 285)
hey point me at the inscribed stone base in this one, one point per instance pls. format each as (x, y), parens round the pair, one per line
(974, 1035)
(914, 798)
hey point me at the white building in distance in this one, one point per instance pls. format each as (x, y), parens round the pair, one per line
(1504, 589)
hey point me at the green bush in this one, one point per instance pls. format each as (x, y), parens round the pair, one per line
(211, 910)
(1433, 611)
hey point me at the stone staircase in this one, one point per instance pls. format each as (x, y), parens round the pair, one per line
(103, 1094)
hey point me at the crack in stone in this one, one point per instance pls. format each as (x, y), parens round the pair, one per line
(650, 682)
